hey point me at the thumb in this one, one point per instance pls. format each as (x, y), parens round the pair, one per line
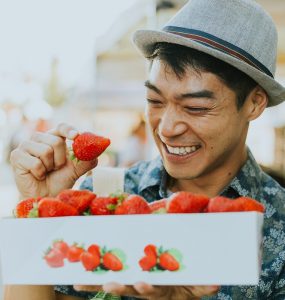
(82, 167)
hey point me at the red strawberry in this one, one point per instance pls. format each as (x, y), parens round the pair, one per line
(74, 252)
(148, 262)
(186, 202)
(133, 204)
(150, 250)
(223, 204)
(94, 249)
(168, 262)
(61, 246)
(249, 204)
(80, 200)
(112, 262)
(52, 207)
(87, 146)
(158, 206)
(24, 207)
(89, 261)
(54, 258)
(103, 205)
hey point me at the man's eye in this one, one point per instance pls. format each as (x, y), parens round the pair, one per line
(153, 102)
(197, 109)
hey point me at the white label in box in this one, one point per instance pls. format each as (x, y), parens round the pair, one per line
(213, 248)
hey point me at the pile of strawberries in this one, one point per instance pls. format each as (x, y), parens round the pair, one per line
(156, 259)
(84, 202)
(94, 258)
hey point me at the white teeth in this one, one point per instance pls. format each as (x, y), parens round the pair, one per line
(181, 150)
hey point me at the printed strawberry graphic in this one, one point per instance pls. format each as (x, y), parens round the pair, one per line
(103, 205)
(74, 252)
(94, 249)
(158, 206)
(168, 262)
(223, 204)
(186, 202)
(52, 207)
(79, 199)
(133, 204)
(54, 258)
(112, 262)
(61, 246)
(88, 146)
(149, 261)
(90, 261)
(24, 207)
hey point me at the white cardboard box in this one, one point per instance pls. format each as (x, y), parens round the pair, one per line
(216, 248)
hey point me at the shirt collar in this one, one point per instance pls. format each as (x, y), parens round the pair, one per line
(246, 183)
(248, 180)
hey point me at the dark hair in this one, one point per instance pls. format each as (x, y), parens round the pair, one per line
(180, 57)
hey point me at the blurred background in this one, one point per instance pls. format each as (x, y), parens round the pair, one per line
(73, 61)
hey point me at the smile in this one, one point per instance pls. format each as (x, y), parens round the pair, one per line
(181, 151)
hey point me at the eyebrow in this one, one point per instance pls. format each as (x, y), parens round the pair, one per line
(199, 94)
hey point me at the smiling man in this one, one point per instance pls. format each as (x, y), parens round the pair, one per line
(211, 73)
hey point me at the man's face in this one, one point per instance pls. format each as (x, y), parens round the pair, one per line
(195, 122)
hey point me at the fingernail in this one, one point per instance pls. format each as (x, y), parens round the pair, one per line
(77, 287)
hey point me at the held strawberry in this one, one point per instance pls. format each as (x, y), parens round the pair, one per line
(186, 202)
(79, 199)
(88, 146)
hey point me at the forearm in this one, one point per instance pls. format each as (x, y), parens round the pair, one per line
(29, 292)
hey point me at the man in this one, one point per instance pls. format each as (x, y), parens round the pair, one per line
(211, 73)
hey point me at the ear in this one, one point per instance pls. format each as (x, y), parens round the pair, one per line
(256, 103)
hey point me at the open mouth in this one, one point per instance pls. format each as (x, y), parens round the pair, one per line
(182, 151)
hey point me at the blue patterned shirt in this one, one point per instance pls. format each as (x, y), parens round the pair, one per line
(148, 179)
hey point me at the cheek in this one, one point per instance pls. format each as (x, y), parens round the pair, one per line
(152, 118)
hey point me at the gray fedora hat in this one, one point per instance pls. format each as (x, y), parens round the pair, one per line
(238, 32)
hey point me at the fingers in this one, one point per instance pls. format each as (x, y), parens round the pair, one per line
(24, 163)
(139, 290)
(87, 288)
(56, 145)
(200, 291)
(65, 131)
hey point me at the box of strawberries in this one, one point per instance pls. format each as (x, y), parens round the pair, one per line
(80, 237)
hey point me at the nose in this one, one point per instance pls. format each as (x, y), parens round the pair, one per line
(171, 123)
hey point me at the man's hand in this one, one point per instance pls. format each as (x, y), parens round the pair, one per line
(41, 165)
(143, 290)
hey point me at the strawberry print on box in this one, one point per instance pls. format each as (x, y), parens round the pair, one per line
(93, 258)
(159, 259)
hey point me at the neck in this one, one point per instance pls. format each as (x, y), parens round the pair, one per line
(214, 182)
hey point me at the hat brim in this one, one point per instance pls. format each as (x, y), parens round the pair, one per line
(146, 39)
